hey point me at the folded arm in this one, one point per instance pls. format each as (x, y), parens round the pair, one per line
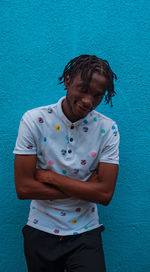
(27, 187)
(32, 183)
(99, 188)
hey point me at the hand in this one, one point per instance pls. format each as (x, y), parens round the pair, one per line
(43, 176)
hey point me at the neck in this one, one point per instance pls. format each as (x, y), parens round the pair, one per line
(67, 110)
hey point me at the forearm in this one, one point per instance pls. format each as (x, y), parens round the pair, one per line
(89, 191)
(33, 189)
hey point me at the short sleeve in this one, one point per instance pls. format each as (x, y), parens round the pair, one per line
(110, 147)
(25, 143)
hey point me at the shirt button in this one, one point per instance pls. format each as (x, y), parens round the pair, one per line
(71, 139)
(72, 127)
(69, 151)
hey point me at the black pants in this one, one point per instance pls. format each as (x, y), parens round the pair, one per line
(46, 252)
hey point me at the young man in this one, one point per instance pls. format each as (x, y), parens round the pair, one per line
(66, 161)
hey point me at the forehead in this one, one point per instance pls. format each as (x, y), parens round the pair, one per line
(96, 80)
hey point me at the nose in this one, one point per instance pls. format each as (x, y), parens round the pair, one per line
(87, 101)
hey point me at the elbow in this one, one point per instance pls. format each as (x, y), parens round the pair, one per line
(105, 199)
(22, 189)
(21, 193)
(105, 202)
(21, 196)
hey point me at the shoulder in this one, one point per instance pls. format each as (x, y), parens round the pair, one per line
(39, 114)
(103, 120)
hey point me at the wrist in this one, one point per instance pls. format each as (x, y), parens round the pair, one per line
(53, 177)
(44, 176)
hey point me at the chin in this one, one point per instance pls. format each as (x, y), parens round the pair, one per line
(81, 116)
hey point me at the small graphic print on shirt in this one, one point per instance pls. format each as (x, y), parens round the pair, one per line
(75, 171)
(51, 162)
(62, 213)
(95, 119)
(85, 122)
(103, 131)
(35, 221)
(85, 129)
(50, 110)
(74, 221)
(93, 154)
(86, 227)
(41, 120)
(56, 231)
(63, 152)
(29, 146)
(57, 128)
(115, 133)
(64, 171)
(83, 162)
(45, 139)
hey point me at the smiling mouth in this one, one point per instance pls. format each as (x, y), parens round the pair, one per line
(86, 110)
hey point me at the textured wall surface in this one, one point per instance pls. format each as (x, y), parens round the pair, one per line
(37, 39)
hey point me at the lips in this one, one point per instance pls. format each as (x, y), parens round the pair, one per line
(83, 109)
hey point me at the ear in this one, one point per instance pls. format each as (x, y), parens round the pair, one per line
(67, 82)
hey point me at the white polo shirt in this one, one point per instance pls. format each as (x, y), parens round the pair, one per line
(71, 149)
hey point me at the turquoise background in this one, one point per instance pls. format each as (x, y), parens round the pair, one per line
(37, 39)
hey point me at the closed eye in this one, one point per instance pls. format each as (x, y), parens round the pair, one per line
(84, 90)
(99, 95)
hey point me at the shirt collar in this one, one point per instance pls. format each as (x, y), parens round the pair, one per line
(64, 118)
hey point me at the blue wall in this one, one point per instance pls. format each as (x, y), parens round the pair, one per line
(38, 38)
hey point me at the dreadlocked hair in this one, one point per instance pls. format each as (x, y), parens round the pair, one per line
(87, 65)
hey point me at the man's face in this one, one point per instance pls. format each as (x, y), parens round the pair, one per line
(80, 99)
